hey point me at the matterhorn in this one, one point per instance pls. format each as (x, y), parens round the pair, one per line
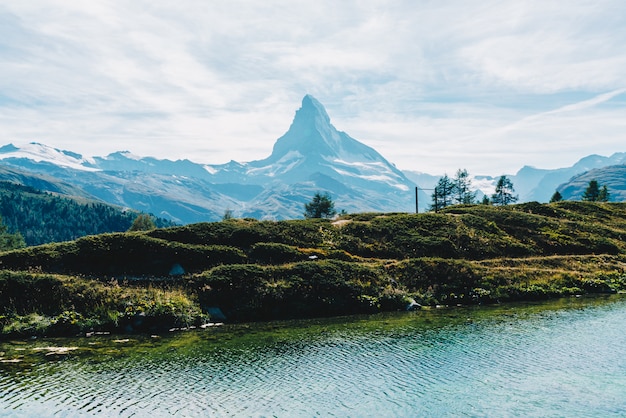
(312, 156)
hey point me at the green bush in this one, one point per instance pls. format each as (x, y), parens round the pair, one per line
(120, 254)
(436, 277)
(24, 293)
(274, 253)
(311, 288)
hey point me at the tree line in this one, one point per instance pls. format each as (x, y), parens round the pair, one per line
(593, 193)
(457, 191)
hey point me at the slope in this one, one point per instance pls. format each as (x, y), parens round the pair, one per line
(44, 217)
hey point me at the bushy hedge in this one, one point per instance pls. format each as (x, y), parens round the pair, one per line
(22, 293)
(275, 253)
(303, 289)
(120, 254)
(436, 279)
(244, 233)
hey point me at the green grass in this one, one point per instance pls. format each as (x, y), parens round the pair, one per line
(361, 263)
(37, 303)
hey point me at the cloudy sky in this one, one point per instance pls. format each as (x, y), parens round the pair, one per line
(433, 85)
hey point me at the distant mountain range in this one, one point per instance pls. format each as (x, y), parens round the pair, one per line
(311, 156)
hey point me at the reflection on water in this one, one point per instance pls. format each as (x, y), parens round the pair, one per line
(564, 358)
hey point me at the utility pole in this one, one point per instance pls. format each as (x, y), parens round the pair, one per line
(417, 207)
(417, 210)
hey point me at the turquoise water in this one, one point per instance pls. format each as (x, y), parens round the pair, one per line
(563, 359)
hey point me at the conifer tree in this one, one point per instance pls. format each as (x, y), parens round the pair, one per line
(443, 193)
(504, 192)
(462, 183)
(228, 214)
(556, 197)
(592, 192)
(321, 206)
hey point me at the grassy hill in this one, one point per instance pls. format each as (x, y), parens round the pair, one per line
(361, 263)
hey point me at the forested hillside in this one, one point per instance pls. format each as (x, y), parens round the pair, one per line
(42, 217)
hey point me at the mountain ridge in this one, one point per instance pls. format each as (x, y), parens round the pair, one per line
(312, 156)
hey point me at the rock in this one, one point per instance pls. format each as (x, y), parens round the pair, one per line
(413, 306)
(211, 324)
(177, 270)
(216, 314)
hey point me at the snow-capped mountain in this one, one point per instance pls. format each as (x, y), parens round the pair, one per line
(39, 153)
(311, 156)
(313, 145)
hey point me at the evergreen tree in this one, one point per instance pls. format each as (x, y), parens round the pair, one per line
(228, 214)
(443, 194)
(41, 217)
(504, 192)
(10, 241)
(463, 193)
(321, 206)
(604, 194)
(486, 200)
(556, 197)
(592, 192)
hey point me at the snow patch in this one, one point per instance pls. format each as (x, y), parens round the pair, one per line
(210, 169)
(286, 163)
(373, 177)
(42, 153)
(130, 155)
(377, 164)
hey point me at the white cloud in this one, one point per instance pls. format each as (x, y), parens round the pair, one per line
(433, 86)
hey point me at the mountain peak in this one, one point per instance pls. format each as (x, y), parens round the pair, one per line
(310, 133)
(313, 147)
(312, 109)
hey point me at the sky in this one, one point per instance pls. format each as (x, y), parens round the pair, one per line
(432, 85)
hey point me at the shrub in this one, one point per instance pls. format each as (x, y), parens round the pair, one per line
(274, 253)
(437, 277)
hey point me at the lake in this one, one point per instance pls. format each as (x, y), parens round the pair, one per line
(558, 358)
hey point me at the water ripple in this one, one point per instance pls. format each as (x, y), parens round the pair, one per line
(568, 362)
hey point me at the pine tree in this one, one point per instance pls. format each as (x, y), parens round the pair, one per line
(556, 197)
(462, 191)
(321, 206)
(592, 192)
(443, 194)
(228, 214)
(504, 192)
